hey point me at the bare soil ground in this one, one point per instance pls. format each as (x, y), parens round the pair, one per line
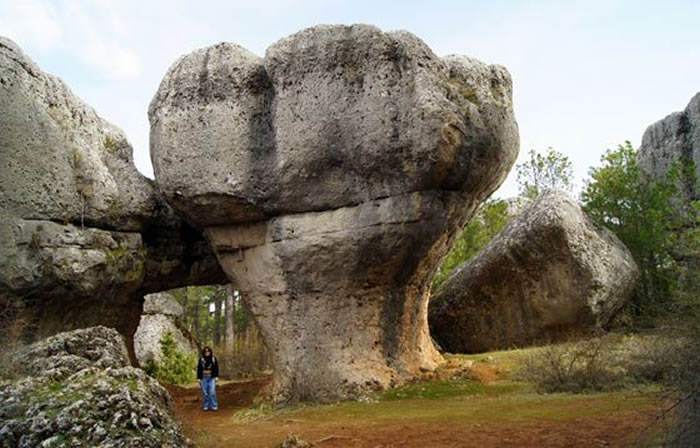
(439, 413)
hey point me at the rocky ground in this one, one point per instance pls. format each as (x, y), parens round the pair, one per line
(77, 389)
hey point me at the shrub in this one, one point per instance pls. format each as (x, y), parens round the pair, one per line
(602, 364)
(582, 366)
(174, 367)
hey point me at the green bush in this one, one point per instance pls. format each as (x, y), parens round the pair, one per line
(646, 215)
(174, 367)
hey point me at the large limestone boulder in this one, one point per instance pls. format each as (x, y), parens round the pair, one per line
(330, 177)
(161, 315)
(80, 391)
(674, 139)
(83, 235)
(550, 273)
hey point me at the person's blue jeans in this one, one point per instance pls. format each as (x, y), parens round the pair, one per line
(208, 386)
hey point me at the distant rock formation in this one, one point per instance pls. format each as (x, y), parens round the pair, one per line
(330, 177)
(83, 235)
(79, 390)
(675, 138)
(161, 315)
(549, 273)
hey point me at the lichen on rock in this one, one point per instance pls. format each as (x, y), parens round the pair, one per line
(81, 392)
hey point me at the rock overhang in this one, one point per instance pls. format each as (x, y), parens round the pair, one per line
(330, 176)
(347, 114)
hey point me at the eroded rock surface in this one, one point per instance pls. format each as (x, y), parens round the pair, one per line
(78, 390)
(674, 142)
(331, 176)
(674, 139)
(83, 235)
(550, 273)
(161, 315)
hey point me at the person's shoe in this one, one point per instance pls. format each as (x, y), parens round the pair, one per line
(214, 408)
(205, 409)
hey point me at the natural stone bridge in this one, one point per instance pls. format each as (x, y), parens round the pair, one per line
(328, 177)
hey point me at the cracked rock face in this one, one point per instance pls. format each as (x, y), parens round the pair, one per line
(330, 177)
(675, 138)
(83, 235)
(551, 272)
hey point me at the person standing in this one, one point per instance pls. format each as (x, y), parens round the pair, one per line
(207, 373)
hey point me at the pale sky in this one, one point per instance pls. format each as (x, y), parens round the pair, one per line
(587, 75)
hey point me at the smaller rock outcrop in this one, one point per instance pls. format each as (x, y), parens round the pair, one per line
(549, 273)
(80, 392)
(161, 315)
(674, 139)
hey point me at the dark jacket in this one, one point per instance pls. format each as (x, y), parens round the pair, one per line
(209, 363)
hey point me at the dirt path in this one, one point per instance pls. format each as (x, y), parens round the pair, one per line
(517, 420)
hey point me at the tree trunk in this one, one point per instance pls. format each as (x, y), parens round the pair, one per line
(194, 315)
(230, 319)
(217, 319)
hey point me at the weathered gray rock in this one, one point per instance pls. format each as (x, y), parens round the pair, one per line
(162, 303)
(82, 234)
(81, 392)
(161, 314)
(551, 272)
(330, 177)
(673, 139)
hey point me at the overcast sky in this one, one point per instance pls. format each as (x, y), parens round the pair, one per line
(587, 75)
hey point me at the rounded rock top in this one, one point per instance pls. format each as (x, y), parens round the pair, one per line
(331, 116)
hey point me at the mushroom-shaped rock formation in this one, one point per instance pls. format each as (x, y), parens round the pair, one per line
(83, 235)
(674, 139)
(551, 272)
(330, 177)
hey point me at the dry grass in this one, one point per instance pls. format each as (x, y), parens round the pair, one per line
(601, 363)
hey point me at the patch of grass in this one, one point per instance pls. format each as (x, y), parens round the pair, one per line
(436, 390)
